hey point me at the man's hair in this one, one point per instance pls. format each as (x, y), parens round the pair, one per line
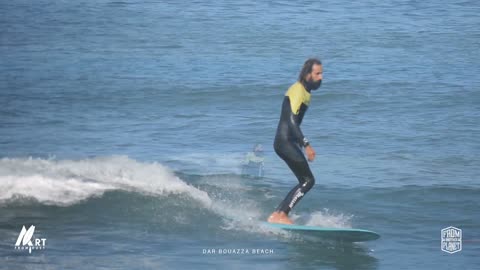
(307, 68)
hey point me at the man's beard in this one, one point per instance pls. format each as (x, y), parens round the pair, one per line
(311, 85)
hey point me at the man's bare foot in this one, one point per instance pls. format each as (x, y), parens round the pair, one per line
(279, 217)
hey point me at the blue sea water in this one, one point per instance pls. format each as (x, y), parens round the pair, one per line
(124, 125)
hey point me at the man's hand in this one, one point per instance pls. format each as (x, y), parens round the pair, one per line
(310, 153)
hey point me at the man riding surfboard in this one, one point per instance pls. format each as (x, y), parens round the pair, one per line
(290, 141)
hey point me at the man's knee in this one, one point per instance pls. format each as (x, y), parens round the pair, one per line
(308, 184)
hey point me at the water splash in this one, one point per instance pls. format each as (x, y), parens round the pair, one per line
(66, 182)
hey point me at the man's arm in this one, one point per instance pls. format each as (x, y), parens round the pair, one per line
(294, 126)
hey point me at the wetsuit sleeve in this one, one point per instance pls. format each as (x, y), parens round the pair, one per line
(294, 120)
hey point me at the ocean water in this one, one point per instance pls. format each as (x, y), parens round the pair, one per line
(124, 125)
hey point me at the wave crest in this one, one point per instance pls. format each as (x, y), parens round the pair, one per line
(66, 182)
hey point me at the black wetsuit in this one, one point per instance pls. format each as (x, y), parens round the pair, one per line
(289, 141)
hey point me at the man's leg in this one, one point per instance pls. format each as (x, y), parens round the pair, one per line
(297, 162)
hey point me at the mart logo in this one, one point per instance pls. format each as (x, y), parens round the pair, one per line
(25, 241)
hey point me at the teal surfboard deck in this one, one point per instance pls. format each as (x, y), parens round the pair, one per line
(337, 234)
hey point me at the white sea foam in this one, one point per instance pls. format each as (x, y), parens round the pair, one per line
(66, 182)
(323, 218)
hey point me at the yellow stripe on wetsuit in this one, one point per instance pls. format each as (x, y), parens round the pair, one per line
(298, 95)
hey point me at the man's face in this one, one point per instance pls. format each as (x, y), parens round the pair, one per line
(315, 77)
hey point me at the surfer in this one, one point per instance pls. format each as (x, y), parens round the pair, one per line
(289, 139)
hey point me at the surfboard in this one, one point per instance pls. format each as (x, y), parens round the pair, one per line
(337, 234)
